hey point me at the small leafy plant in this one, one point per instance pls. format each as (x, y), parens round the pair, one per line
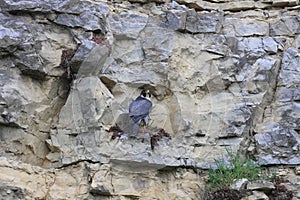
(232, 169)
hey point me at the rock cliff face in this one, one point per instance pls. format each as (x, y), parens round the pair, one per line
(224, 74)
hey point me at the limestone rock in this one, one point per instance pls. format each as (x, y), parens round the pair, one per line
(176, 19)
(285, 2)
(94, 62)
(11, 193)
(88, 15)
(203, 22)
(86, 20)
(245, 27)
(34, 5)
(101, 183)
(158, 44)
(239, 184)
(225, 6)
(222, 74)
(256, 196)
(260, 185)
(276, 145)
(285, 26)
(32, 182)
(85, 105)
(270, 45)
(137, 183)
(127, 24)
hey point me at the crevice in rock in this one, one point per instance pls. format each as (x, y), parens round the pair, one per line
(77, 162)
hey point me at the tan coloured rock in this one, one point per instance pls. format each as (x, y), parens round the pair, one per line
(245, 27)
(285, 2)
(256, 196)
(146, 184)
(85, 105)
(39, 183)
(226, 6)
(260, 185)
(211, 91)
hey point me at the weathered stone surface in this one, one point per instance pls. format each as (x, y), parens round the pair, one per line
(260, 185)
(277, 145)
(286, 107)
(203, 22)
(127, 24)
(225, 5)
(256, 195)
(285, 2)
(270, 45)
(157, 43)
(38, 183)
(176, 19)
(11, 193)
(34, 5)
(70, 69)
(85, 105)
(88, 21)
(239, 184)
(245, 27)
(141, 183)
(285, 26)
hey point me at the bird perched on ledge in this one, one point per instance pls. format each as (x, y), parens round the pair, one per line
(140, 108)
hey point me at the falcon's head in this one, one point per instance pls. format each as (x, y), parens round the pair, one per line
(146, 94)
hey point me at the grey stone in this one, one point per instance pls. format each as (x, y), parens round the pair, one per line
(34, 5)
(203, 22)
(88, 21)
(94, 62)
(83, 6)
(145, 1)
(285, 2)
(250, 46)
(297, 42)
(127, 24)
(72, 7)
(91, 98)
(176, 19)
(158, 44)
(270, 45)
(289, 74)
(287, 95)
(225, 5)
(11, 192)
(88, 15)
(245, 27)
(16, 39)
(101, 183)
(256, 195)
(262, 185)
(211, 71)
(239, 184)
(277, 145)
(285, 26)
(85, 46)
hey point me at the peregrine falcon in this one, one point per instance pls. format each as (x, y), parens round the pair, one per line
(140, 108)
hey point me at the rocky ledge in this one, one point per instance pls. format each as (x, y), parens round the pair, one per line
(223, 74)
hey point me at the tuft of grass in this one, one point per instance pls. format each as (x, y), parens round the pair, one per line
(227, 172)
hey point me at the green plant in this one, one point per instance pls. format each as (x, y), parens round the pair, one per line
(232, 169)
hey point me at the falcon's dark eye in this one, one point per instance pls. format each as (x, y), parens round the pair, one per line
(143, 93)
